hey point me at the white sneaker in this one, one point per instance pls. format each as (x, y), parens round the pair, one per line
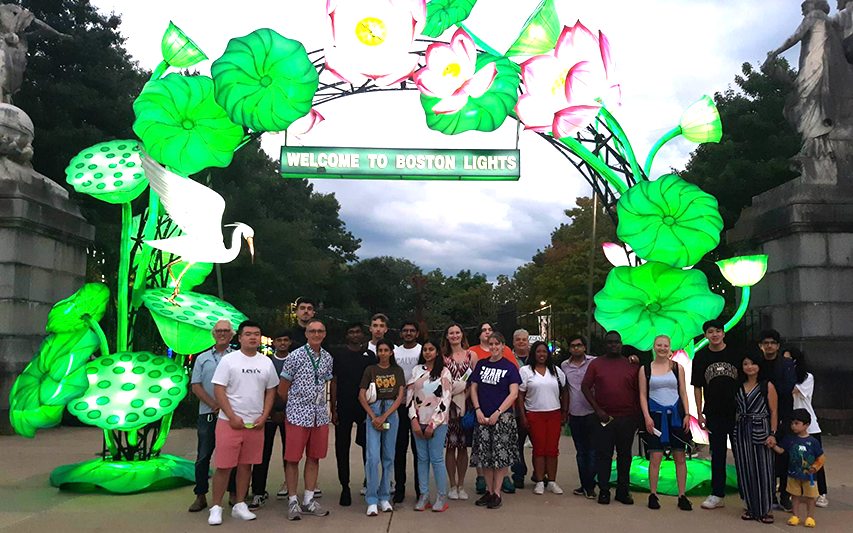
(462, 494)
(821, 501)
(372, 510)
(713, 502)
(385, 506)
(539, 488)
(553, 487)
(452, 494)
(241, 511)
(215, 517)
(363, 491)
(282, 492)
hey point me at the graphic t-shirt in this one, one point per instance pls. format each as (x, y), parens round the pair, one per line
(388, 381)
(802, 454)
(407, 358)
(484, 354)
(615, 385)
(246, 380)
(493, 380)
(716, 373)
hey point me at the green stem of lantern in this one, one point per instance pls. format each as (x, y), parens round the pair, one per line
(93, 324)
(149, 233)
(596, 163)
(479, 42)
(165, 426)
(741, 310)
(617, 130)
(670, 135)
(112, 446)
(133, 437)
(123, 276)
(159, 71)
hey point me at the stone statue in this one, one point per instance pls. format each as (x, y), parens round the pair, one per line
(820, 106)
(844, 24)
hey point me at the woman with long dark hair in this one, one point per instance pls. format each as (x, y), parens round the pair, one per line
(429, 391)
(754, 435)
(544, 401)
(460, 361)
(803, 392)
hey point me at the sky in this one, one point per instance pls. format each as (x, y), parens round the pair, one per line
(668, 53)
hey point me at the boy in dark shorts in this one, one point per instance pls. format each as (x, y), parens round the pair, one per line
(805, 458)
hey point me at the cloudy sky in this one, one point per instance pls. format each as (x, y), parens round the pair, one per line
(668, 53)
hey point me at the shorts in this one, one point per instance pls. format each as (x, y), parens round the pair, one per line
(313, 441)
(802, 487)
(544, 429)
(678, 438)
(237, 446)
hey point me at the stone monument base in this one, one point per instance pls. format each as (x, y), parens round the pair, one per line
(807, 295)
(43, 252)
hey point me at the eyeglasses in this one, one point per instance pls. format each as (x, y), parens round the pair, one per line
(578, 345)
(769, 343)
(222, 331)
(316, 331)
(409, 330)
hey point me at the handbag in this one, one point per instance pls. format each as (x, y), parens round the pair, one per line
(370, 394)
(469, 420)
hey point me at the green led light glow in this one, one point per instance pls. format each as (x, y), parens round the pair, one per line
(128, 390)
(178, 50)
(186, 327)
(264, 81)
(442, 14)
(109, 171)
(124, 477)
(670, 221)
(698, 477)
(744, 271)
(68, 315)
(700, 122)
(656, 299)
(485, 113)
(539, 34)
(182, 126)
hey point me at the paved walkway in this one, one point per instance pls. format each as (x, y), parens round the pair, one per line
(29, 504)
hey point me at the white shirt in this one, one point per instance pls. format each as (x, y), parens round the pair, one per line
(407, 358)
(542, 393)
(803, 400)
(246, 380)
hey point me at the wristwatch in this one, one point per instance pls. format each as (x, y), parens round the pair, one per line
(773, 433)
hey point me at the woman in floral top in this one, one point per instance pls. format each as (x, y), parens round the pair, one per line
(460, 361)
(429, 405)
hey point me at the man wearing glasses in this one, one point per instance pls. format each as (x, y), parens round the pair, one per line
(779, 371)
(203, 370)
(303, 386)
(582, 417)
(407, 356)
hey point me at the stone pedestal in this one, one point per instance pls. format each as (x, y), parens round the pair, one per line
(807, 295)
(43, 242)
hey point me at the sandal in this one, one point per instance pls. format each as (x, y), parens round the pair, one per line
(747, 516)
(767, 519)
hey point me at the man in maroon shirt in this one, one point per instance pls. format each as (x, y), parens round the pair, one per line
(611, 388)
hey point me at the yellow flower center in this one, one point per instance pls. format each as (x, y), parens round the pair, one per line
(371, 31)
(559, 87)
(453, 69)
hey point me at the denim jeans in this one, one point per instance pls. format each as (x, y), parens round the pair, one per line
(582, 428)
(380, 445)
(431, 452)
(206, 430)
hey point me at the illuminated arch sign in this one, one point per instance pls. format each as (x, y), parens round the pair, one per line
(408, 164)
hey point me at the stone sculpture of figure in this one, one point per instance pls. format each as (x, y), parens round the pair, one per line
(844, 24)
(14, 24)
(820, 106)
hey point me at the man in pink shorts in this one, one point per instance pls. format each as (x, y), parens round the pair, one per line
(244, 386)
(303, 384)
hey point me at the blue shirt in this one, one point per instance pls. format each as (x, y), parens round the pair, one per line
(306, 405)
(802, 453)
(203, 369)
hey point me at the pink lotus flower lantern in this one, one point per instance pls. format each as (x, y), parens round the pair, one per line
(371, 39)
(566, 89)
(449, 73)
(303, 125)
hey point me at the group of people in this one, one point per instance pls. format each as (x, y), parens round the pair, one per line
(442, 397)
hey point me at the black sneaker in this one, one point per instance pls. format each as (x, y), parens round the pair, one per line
(684, 504)
(495, 502)
(590, 494)
(579, 492)
(654, 503)
(346, 497)
(258, 501)
(484, 499)
(399, 496)
(624, 497)
(604, 497)
(785, 504)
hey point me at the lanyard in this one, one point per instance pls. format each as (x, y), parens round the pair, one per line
(314, 364)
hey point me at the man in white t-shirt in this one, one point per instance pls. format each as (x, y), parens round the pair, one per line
(244, 386)
(407, 356)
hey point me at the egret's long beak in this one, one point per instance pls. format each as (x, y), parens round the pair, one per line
(251, 242)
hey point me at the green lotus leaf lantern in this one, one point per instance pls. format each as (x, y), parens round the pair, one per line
(129, 390)
(70, 314)
(656, 299)
(701, 122)
(484, 113)
(125, 477)
(178, 50)
(744, 271)
(186, 327)
(669, 220)
(539, 34)
(442, 14)
(264, 81)
(109, 171)
(182, 126)
(53, 378)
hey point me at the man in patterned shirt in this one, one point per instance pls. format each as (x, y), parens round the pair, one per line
(303, 385)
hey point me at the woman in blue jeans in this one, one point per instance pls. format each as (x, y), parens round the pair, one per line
(389, 383)
(429, 391)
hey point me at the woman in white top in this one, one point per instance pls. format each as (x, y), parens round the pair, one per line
(803, 391)
(543, 400)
